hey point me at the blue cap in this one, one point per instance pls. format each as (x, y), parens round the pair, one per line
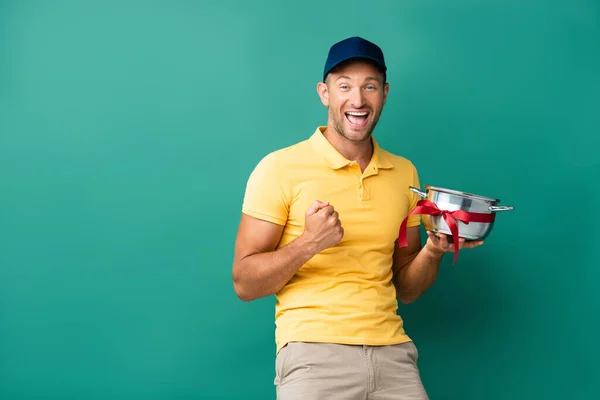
(354, 48)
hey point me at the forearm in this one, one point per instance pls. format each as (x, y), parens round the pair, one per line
(418, 275)
(265, 273)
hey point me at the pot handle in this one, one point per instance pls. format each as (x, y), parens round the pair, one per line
(417, 191)
(500, 208)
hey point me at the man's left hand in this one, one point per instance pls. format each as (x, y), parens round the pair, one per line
(439, 244)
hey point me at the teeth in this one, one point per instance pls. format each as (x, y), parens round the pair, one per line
(357, 114)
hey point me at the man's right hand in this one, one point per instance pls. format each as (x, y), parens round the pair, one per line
(261, 269)
(323, 228)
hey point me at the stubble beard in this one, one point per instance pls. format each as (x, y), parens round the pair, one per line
(340, 128)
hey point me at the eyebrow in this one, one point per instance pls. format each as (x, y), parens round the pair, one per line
(369, 78)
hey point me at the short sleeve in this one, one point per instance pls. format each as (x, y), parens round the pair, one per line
(266, 196)
(415, 219)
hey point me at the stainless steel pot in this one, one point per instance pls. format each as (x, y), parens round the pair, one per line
(452, 200)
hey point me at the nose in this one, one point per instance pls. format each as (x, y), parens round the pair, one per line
(356, 98)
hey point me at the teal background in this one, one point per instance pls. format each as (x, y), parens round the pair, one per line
(128, 130)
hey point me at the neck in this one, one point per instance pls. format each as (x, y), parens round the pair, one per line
(360, 151)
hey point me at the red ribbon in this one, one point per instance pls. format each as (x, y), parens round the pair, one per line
(429, 208)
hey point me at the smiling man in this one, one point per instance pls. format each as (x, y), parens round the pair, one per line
(319, 230)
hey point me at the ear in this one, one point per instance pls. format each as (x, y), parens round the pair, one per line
(386, 89)
(323, 92)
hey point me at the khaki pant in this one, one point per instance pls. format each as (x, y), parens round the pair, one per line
(316, 371)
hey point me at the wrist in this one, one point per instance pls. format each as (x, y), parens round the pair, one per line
(307, 247)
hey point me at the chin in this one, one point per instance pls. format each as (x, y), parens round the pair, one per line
(357, 134)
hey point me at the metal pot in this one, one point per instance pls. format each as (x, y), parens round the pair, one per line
(452, 200)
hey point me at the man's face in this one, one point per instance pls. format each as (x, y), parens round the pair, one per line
(355, 96)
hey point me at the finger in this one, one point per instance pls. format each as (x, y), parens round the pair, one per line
(335, 222)
(472, 244)
(443, 241)
(434, 239)
(315, 206)
(323, 204)
(334, 216)
(327, 210)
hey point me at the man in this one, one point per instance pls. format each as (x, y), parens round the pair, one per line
(319, 229)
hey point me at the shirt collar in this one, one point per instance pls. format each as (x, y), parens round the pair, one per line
(336, 160)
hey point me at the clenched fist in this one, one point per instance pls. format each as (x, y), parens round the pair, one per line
(322, 227)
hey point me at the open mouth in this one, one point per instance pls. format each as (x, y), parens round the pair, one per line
(357, 119)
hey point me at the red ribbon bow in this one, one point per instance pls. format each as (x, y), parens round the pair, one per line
(429, 208)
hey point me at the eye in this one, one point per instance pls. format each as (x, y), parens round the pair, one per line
(344, 87)
(371, 87)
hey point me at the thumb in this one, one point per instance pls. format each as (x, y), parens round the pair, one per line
(316, 206)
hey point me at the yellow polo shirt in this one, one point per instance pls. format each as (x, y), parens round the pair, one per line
(343, 294)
